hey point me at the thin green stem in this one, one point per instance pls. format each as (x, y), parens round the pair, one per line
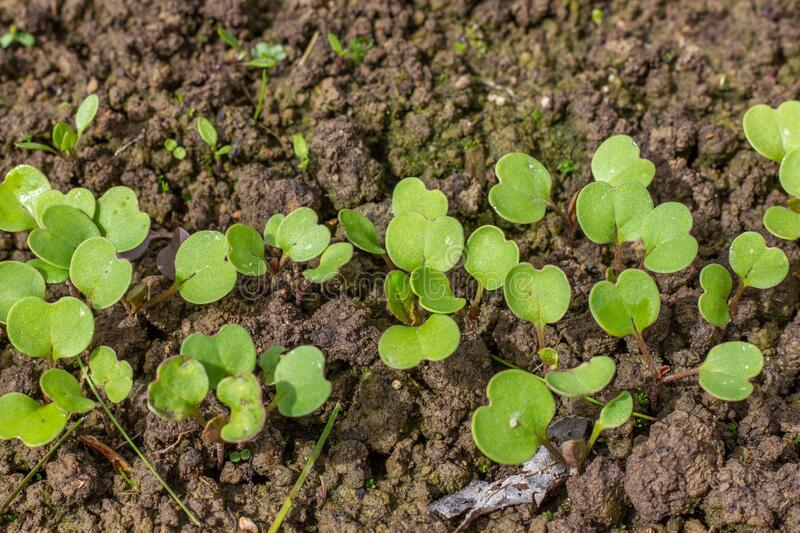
(287, 504)
(262, 93)
(133, 446)
(38, 466)
(540, 334)
(593, 438)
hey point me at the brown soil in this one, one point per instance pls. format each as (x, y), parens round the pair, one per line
(446, 89)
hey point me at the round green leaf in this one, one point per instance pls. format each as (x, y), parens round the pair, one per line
(790, 172)
(79, 198)
(773, 132)
(617, 411)
(300, 237)
(242, 395)
(50, 273)
(489, 256)
(98, 273)
(19, 192)
(271, 229)
(17, 281)
(120, 220)
(586, 378)
(65, 391)
(782, 222)
(115, 377)
(246, 250)
(399, 296)
(300, 384)
(728, 368)
(523, 192)
(360, 231)
(181, 385)
(538, 296)
(609, 214)
(756, 264)
(64, 229)
(231, 352)
(434, 292)
(86, 112)
(202, 270)
(333, 258)
(630, 305)
(404, 347)
(411, 196)
(717, 284)
(617, 161)
(50, 330)
(668, 245)
(412, 240)
(510, 429)
(23, 418)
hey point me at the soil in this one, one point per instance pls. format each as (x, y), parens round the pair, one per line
(446, 88)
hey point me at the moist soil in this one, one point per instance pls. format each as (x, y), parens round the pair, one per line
(445, 89)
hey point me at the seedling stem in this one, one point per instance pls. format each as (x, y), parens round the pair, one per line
(554, 451)
(648, 359)
(475, 306)
(540, 333)
(681, 375)
(733, 304)
(618, 267)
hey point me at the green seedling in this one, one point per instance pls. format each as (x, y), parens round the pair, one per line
(79, 198)
(587, 378)
(246, 250)
(333, 258)
(299, 235)
(597, 16)
(50, 330)
(356, 50)
(51, 274)
(360, 231)
(177, 151)
(404, 347)
(65, 391)
(242, 456)
(717, 285)
(203, 273)
(488, 258)
(209, 135)
(783, 222)
(613, 215)
(19, 192)
(271, 229)
(668, 245)
(65, 228)
(523, 192)
(229, 353)
(755, 264)
(617, 161)
(301, 151)
(512, 427)
(119, 219)
(115, 377)
(400, 297)
(65, 138)
(773, 133)
(434, 292)
(300, 384)
(35, 424)
(539, 296)
(98, 273)
(14, 36)
(18, 281)
(181, 385)
(627, 307)
(242, 395)
(614, 414)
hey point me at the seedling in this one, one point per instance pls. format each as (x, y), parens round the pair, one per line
(668, 245)
(400, 297)
(434, 292)
(717, 284)
(79, 198)
(229, 353)
(298, 234)
(65, 391)
(360, 231)
(523, 193)
(19, 191)
(756, 265)
(246, 250)
(587, 378)
(119, 219)
(299, 379)
(18, 281)
(488, 258)
(14, 36)
(209, 135)
(356, 50)
(613, 415)
(177, 151)
(98, 273)
(115, 377)
(181, 384)
(627, 307)
(242, 395)
(203, 273)
(333, 258)
(404, 347)
(241, 456)
(65, 228)
(65, 139)
(301, 151)
(421, 233)
(617, 161)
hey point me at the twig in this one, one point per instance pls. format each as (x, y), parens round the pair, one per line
(128, 144)
(307, 53)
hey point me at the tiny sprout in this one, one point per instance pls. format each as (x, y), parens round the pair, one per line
(668, 245)
(539, 296)
(488, 258)
(510, 429)
(717, 284)
(773, 132)
(19, 192)
(356, 50)
(333, 258)
(597, 16)
(50, 330)
(617, 161)
(65, 391)
(612, 415)
(18, 281)
(115, 377)
(404, 347)
(13, 35)
(181, 385)
(98, 273)
(523, 192)
(119, 218)
(300, 150)
(586, 378)
(209, 135)
(242, 456)
(229, 353)
(756, 265)
(65, 228)
(202, 271)
(242, 395)
(23, 418)
(728, 368)
(246, 250)
(400, 297)
(300, 236)
(65, 139)
(79, 198)
(360, 231)
(434, 292)
(177, 151)
(300, 384)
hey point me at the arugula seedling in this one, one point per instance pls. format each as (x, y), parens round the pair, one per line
(539, 296)
(65, 228)
(717, 285)
(242, 395)
(203, 273)
(180, 386)
(300, 150)
(613, 215)
(523, 192)
(98, 273)
(300, 384)
(360, 231)
(115, 377)
(616, 161)
(65, 139)
(18, 281)
(19, 192)
(246, 250)
(627, 307)
(614, 414)
(229, 353)
(403, 347)
(242, 456)
(120, 220)
(586, 378)
(668, 245)
(299, 235)
(14, 36)
(34, 423)
(65, 391)
(400, 297)
(756, 265)
(177, 151)
(488, 258)
(434, 292)
(50, 330)
(208, 133)
(356, 50)
(333, 258)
